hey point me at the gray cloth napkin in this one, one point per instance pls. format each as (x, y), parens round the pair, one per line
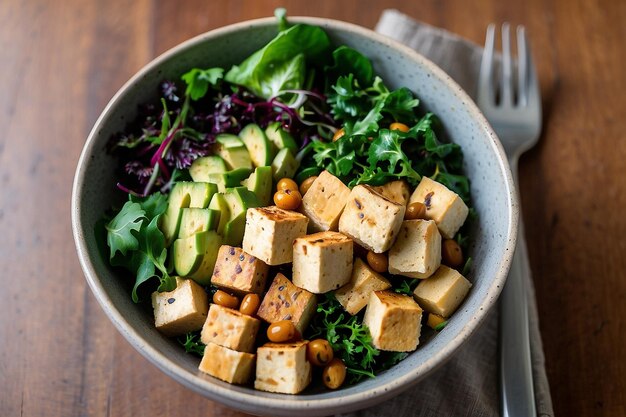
(467, 385)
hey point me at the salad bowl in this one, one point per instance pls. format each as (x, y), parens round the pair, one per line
(493, 231)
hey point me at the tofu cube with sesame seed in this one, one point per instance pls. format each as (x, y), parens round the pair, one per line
(364, 280)
(230, 328)
(270, 232)
(323, 203)
(417, 250)
(227, 364)
(397, 191)
(322, 261)
(443, 206)
(239, 272)
(282, 368)
(285, 301)
(443, 292)
(394, 321)
(181, 310)
(370, 219)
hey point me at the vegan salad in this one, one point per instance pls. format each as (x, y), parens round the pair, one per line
(291, 217)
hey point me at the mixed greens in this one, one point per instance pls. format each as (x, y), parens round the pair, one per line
(312, 88)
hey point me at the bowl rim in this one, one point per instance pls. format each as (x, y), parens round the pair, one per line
(287, 404)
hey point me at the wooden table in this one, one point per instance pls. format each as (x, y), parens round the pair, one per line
(61, 61)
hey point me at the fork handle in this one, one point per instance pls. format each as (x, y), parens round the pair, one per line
(516, 378)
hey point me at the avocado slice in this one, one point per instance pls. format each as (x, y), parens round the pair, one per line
(233, 151)
(202, 167)
(239, 200)
(230, 178)
(280, 138)
(218, 203)
(284, 165)
(195, 220)
(234, 230)
(259, 147)
(212, 242)
(201, 193)
(188, 253)
(260, 183)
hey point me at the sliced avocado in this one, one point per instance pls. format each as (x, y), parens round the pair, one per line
(284, 165)
(170, 221)
(202, 167)
(260, 183)
(233, 151)
(218, 202)
(280, 138)
(201, 193)
(228, 179)
(239, 200)
(259, 147)
(195, 220)
(234, 230)
(212, 242)
(188, 253)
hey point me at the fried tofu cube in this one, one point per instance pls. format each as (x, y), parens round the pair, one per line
(181, 310)
(364, 280)
(397, 191)
(227, 364)
(237, 271)
(324, 202)
(394, 321)
(282, 367)
(370, 219)
(322, 261)
(443, 292)
(285, 301)
(443, 206)
(230, 328)
(417, 251)
(270, 232)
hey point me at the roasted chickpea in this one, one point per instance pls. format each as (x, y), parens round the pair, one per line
(306, 184)
(225, 299)
(451, 254)
(319, 352)
(338, 134)
(250, 304)
(334, 374)
(378, 261)
(287, 184)
(414, 211)
(281, 331)
(287, 199)
(399, 126)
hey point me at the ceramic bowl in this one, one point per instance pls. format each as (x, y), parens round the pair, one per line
(485, 163)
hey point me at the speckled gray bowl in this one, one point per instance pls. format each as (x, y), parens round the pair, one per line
(485, 163)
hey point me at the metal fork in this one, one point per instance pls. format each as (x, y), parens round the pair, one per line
(508, 95)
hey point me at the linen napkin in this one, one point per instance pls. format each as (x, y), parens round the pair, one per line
(467, 385)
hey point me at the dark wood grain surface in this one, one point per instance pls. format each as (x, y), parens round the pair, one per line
(61, 61)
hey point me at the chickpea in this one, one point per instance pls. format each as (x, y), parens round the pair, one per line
(281, 331)
(399, 126)
(319, 352)
(451, 254)
(306, 184)
(225, 299)
(334, 374)
(287, 184)
(338, 134)
(378, 261)
(287, 199)
(250, 304)
(414, 211)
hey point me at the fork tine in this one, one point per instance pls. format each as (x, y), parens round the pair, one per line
(507, 84)
(486, 65)
(523, 55)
